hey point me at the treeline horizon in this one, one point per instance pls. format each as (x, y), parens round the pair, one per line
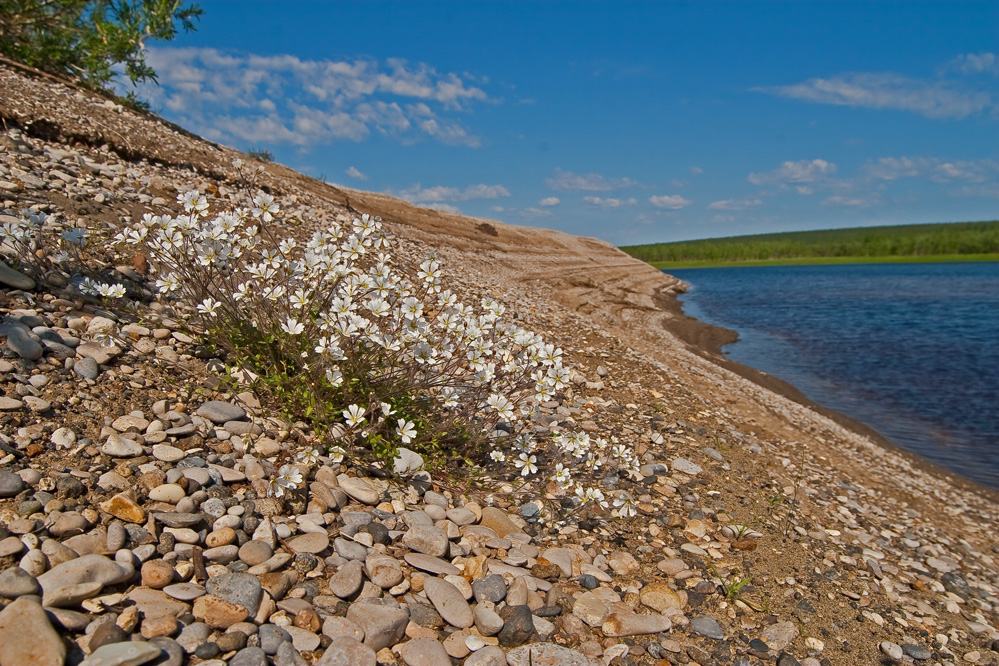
(949, 238)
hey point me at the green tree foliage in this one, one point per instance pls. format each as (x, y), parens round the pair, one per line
(90, 39)
(905, 240)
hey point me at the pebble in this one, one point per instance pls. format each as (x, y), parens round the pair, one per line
(20, 342)
(707, 626)
(917, 652)
(130, 653)
(16, 582)
(117, 446)
(27, 637)
(892, 650)
(364, 491)
(10, 277)
(427, 540)
(219, 412)
(449, 602)
(424, 652)
(10, 484)
(383, 626)
(87, 368)
(345, 651)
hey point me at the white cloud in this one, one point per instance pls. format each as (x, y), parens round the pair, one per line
(535, 213)
(734, 204)
(840, 200)
(669, 201)
(697, 171)
(600, 202)
(286, 99)
(590, 182)
(354, 172)
(803, 171)
(936, 169)
(549, 201)
(989, 190)
(885, 90)
(975, 63)
(443, 207)
(440, 193)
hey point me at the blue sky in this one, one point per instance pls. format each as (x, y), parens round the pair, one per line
(633, 122)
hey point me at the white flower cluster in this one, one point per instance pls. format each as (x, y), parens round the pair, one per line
(587, 456)
(379, 346)
(21, 236)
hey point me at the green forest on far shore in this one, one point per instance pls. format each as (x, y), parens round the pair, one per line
(955, 241)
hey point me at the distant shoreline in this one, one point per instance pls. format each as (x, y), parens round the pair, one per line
(827, 261)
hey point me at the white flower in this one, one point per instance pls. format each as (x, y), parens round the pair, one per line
(562, 475)
(497, 455)
(337, 454)
(412, 308)
(168, 283)
(594, 495)
(76, 236)
(354, 415)
(334, 377)
(525, 463)
(265, 207)
(209, 306)
(300, 298)
(309, 456)
(625, 506)
(406, 431)
(288, 478)
(502, 406)
(292, 326)
(111, 290)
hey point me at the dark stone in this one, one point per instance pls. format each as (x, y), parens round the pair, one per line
(787, 660)
(759, 647)
(707, 626)
(271, 636)
(171, 653)
(70, 487)
(917, 652)
(955, 583)
(518, 626)
(207, 651)
(238, 588)
(699, 655)
(287, 655)
(588, 582)
(251, 656)
(489, 588)
(425, 616)
(232, 640)
(379, 533)
(106, 634)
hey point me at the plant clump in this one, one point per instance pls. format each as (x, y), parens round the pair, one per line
(372, 355)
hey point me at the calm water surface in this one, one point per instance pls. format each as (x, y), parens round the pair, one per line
(912, 350)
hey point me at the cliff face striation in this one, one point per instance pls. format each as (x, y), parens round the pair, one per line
(137, 526)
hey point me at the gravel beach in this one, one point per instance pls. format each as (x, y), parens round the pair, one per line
(136, 527)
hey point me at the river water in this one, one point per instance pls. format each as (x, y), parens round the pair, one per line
(911, 350)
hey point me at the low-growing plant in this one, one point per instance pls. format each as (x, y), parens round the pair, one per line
(261, 154)
(44, 246)
(371, 354)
